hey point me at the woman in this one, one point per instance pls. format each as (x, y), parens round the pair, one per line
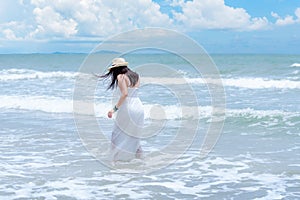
(129, 111)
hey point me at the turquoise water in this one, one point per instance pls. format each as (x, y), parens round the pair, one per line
(256, 157)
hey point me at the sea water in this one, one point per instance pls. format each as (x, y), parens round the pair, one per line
(256, 157)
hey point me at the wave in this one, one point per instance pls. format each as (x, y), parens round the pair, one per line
(61, 105)
(36, 103)
(295, 65)
(260, 83)
(249, 83)
(152, 111)
(25, 74)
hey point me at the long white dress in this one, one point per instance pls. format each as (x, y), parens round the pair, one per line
(127, 128)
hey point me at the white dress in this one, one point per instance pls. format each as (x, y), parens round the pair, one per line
(127, 128)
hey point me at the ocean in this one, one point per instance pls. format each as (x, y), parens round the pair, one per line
(257, 155)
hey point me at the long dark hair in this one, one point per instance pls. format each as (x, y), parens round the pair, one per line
(114, 72)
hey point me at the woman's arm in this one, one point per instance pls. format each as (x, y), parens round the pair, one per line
(122, 83)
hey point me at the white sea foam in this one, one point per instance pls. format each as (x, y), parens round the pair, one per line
(295, 72)
(258, 114)
(250, 83)
(192, 177)
(295, 65)
(260, 83)
(38, 103)
(20, 74)
(60, 105)
(49, 104)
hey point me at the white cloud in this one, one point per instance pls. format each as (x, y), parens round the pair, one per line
(177, 3)
(275, 15)
(208, 14)
(13, 30)
(283, 21)
(287, 20)
(9, 34)
(95, 17)
(258, 23)
(49, 21)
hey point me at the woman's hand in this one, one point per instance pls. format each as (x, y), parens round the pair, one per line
(110, 113)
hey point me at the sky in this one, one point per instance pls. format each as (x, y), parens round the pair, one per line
(220, 26)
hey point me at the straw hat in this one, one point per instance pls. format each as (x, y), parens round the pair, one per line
(118, 62)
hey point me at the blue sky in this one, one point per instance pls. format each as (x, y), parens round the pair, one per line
(230, 26)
